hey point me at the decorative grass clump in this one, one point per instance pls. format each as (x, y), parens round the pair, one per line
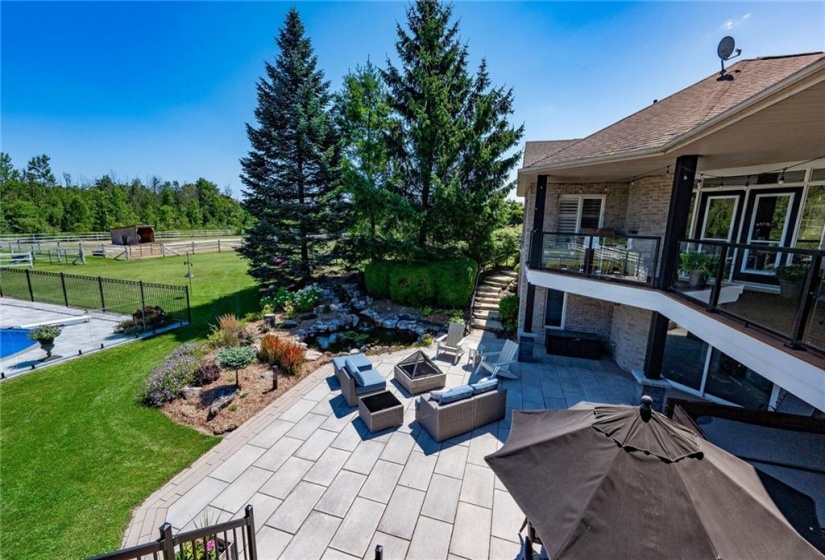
(281, 352)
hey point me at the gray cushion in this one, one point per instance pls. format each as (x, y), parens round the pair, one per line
(436, 395)
(456, 394)
(368, 381)
(484, 385)
(353, 371)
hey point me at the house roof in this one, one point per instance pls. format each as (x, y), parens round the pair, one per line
(541, 150)
(665, 121)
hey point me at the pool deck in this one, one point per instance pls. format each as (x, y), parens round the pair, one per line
(78, 334)
(322, 486)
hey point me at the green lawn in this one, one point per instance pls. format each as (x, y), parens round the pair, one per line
(77, 453)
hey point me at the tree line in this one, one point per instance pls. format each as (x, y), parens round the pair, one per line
(410, 160)
(32, 201)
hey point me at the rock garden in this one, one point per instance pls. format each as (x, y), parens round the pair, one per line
(215, 386)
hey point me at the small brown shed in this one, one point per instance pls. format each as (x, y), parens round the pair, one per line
(133, 235)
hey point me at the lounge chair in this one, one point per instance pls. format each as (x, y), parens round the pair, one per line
(452, 342)
(498, 363)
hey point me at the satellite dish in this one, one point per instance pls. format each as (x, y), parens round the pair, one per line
(725, 48)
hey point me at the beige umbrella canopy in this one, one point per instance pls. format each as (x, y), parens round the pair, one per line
(625, 482)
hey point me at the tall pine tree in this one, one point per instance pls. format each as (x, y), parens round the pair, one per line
(291, 170)
(449, 135)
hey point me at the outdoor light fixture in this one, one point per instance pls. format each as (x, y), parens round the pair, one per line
(782, 178)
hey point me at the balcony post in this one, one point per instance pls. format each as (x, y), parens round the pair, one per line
(716, 291)
(684, 175)
(536, 241)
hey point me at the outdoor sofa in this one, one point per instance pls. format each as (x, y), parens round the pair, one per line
(443, 421)
(357, 377)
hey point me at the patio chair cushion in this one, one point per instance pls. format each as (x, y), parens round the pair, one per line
(353, 371)
(369, 381)
(484, 385)
(456, 394)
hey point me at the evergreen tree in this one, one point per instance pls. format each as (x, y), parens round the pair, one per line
(449, 135)
(290, 171)
(362, 119)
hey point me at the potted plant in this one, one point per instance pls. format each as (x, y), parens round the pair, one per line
(45, 336)
(697, 267)
(791, 277)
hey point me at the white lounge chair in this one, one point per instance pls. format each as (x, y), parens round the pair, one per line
(452, 342)
(498, 363)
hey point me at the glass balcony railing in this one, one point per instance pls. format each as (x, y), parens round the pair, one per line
(777, 289)
(623, 258)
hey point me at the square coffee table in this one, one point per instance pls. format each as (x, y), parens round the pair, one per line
(417, 373)
(381, 411)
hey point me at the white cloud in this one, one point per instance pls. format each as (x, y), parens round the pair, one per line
(731, 23)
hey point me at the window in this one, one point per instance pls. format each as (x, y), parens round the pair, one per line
(579, 211)
(554, 310)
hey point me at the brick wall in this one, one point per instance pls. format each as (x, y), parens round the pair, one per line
(615, 206)
(648, 204)
(628, 336)
(588, 315)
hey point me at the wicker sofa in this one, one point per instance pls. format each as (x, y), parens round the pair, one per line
(449, 420)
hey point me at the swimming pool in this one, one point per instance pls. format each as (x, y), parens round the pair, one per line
(13, 341)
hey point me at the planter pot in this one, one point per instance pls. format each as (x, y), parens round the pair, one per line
(697, 280)
(47, 346)
(790, 290)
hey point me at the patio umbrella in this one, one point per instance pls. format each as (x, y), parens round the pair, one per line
(626, 482)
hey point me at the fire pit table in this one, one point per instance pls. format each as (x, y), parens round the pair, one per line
(417, 373)
(380, 411)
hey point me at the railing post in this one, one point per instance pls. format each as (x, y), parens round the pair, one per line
(63, 285)
(29, 282)
(142, 306)
(102, 301)
(219, 245)
(252, 547)
(379, 552)
(167, 541)
(806, 301)
(188, 307)
(713, 303)
(588, 257)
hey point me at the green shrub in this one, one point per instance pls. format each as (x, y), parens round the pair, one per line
(454, 281)
(236, 358)
(443, 283)
(377, 278)
(508, 312)
(412, 284)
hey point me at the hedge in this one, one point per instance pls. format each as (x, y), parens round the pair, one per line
(443, 283)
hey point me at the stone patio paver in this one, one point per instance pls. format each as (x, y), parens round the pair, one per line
(322, 486)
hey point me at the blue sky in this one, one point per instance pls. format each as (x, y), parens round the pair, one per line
(137, 89)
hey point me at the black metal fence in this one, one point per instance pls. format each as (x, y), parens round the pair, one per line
(141, 300)
(233, 540)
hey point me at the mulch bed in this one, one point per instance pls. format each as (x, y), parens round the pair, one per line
(256, 393)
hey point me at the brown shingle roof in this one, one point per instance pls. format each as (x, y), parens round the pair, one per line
(656, 125)
(540, 150)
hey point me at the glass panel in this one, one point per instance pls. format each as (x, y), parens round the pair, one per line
(730, 380)
(818, 175)
(697, 266)
(684, 359)
(563, 252)
(719, 217)
(815, 329)
(769, 218)
(554, 309)
(626, 258)
(813, 219)
(591, 213)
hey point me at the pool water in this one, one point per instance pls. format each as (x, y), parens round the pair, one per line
(345, 341)
(13, 341)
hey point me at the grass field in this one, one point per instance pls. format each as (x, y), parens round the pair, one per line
(77, 452)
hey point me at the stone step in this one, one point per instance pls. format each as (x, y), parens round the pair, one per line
(510, 273)
(480, 305)
(489, 290)
(485, 314)
(488, 325)
(481, 298)
(498, 281)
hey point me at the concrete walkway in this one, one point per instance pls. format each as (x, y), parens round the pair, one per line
(322, 486)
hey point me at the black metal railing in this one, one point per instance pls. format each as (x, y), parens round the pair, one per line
(617, 257)
(232, 540)
(150, 305)
(776, 289)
